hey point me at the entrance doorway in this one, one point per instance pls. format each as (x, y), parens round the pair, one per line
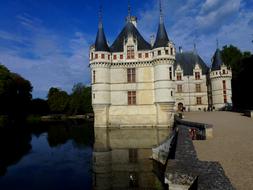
(180, 106)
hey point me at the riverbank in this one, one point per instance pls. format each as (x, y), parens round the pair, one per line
(231, 144)
(33, 119)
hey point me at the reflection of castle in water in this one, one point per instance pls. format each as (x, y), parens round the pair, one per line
(121, 159)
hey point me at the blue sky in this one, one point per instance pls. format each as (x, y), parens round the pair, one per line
(47, 41)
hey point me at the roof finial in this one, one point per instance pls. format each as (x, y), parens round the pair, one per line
(217, 43)
(129, 10)
(100, 17)
(161, 11)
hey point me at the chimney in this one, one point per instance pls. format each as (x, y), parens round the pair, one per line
(180, 49)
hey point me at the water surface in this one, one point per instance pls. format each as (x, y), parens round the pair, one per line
(47, 156)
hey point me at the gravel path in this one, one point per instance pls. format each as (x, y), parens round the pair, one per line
(232, 145)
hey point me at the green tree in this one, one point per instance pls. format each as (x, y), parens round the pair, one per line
(80, 102)
(15, 94)
(58, 100)
(241, 64)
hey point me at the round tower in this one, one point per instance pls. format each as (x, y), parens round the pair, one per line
(164, 58)
(100, 59)
(220, 76)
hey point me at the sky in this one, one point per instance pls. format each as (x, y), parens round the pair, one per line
(47, 41)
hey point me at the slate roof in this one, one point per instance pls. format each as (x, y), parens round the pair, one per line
(161, 37)
(187, 61)
(101, 42)
(216, 61)
(129, 29)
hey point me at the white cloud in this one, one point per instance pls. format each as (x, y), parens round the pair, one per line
(215, 12)
(202, 22)
(46, 58)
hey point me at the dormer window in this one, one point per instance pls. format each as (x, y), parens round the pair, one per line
(109, 57)
(102, 56)
(121, 56)
(159, 52)
(197, 75)
(140, 55)
(96, 56)
(91, 55)
(167, 52)
(146, 55)
(130, 52)
(223, 71)
(179, 76)
(114, 57)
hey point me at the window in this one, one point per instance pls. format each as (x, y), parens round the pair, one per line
(109, 57)
(179, 88)
(133, 155)
(197, 75)
(114, 57)
(199, 102)
(140, 55)
(198, 88)
(130, 52)
(224, 92)
(131, 75)
(166, 52)
(223, 71)
(170, 73)
(102, 56)
(96, 56)
(94, 96)
(179, 76)
(159, 52)
(121, 56)
(224, 85)
(171, 51)
(131, 97)
(146, 55)
(94, 76)
(225, 99)
(91, 56)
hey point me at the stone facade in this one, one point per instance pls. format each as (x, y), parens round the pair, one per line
(135, 83)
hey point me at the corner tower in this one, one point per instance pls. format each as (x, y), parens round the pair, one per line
(164, 54)
(100, 59)
(221, 77)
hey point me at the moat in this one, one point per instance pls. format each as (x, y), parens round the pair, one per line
(46, 156)
(66, 156)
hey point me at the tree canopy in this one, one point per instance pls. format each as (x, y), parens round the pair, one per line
(242, 68)
(15, 94)
(78, 102)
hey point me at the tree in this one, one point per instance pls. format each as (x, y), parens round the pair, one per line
(80, 102)
(241, 64)
(15, 94)
(39, 107)
(58, 100)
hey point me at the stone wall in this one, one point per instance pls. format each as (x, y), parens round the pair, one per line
(187, 172)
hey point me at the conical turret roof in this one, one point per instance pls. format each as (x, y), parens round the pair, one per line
(101, 42)
(217, 60)
(161, 37)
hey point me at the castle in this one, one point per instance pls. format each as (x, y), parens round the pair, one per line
(141, 84)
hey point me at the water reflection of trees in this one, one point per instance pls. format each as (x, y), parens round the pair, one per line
(60, 132)
(14, 144)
